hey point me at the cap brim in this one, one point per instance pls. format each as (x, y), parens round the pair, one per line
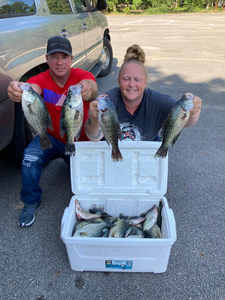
(59, 50)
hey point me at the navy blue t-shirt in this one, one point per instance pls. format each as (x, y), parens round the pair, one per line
(148, 118)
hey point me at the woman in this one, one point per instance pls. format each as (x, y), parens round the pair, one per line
(141, 111)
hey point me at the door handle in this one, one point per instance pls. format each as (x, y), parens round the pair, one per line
(63, 32)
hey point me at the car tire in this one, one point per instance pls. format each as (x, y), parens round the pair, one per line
(106, 58)
(22, 136)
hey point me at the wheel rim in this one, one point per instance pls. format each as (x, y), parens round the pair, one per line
(105, 58)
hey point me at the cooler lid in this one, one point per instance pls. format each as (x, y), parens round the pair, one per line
(94, 172)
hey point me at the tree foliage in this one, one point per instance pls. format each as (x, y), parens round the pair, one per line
(162, 5)
(16, 8)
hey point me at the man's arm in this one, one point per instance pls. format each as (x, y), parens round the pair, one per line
(15, 93)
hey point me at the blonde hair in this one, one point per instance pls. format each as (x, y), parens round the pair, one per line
(134, 54)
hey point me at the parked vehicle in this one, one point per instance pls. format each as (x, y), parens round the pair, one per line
(25, 27)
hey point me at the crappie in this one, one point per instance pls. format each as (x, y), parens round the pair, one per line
(174, 123)
(36, 114)
(120, 226)
(108, 120)
(94, 229)
(150, 218)
(85, 215)
(134, 232)
(155, 232)
(71, 119)
(83, 223)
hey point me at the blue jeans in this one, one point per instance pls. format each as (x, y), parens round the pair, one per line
(33, 160)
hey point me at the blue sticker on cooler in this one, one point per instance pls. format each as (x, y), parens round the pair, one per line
(119, 264)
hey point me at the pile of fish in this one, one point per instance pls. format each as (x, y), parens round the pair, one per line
(97, 223)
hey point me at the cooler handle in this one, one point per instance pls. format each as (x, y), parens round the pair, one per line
(65, 214)
(173, 222)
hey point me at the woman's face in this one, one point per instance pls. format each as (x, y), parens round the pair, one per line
(132, 82)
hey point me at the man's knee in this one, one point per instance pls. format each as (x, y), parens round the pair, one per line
(31, 156)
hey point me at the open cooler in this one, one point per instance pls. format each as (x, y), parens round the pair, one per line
(131, 187)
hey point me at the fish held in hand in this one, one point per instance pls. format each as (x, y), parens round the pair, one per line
(108, 120)
(36, 114)
(174, 123)
(71, 119)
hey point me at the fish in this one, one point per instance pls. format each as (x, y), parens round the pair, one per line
(119, 228)
(134, 232)
(155, 232)
(122, 223)
(71, 119)
(150, 218)
(94, 229)
(174, 123)
(82, 214)
(36, 114)
(97, 223)
(83, 223)
(109, 122)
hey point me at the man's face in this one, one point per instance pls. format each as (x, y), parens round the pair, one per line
(59, 63)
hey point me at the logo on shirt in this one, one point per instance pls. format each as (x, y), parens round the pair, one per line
(130, 132)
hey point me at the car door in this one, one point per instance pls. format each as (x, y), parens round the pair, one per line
(93, 32)
(68, 23)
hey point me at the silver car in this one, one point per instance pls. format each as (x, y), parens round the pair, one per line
(25, 27)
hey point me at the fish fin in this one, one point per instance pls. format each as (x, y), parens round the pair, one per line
(116, 156)
(62, 132)
(50, 126)
(78, 134)
(70, 149)
(45, 142)
(76, 116)
(162, 152)
(175, 138)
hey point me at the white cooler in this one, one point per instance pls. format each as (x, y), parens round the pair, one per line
(130, 187)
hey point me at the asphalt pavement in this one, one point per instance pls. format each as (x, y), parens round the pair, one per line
(184, 53)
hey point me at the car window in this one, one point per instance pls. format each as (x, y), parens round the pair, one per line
(80, 6)
(9, 8)
(59, 6)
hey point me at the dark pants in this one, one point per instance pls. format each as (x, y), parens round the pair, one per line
(33, 160)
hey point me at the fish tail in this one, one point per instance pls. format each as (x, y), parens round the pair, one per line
(70, 149)
(45, 142)
(162, 152)
(116, 156)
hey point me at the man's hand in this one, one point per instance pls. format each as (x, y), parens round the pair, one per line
(89, 91)
(14, 92)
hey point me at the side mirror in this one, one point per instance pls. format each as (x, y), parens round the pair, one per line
(99, 5)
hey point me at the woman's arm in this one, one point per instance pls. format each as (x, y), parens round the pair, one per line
(92, 126)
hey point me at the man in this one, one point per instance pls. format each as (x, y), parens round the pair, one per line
(52, 85)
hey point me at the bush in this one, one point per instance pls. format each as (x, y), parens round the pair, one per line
(126, 10)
